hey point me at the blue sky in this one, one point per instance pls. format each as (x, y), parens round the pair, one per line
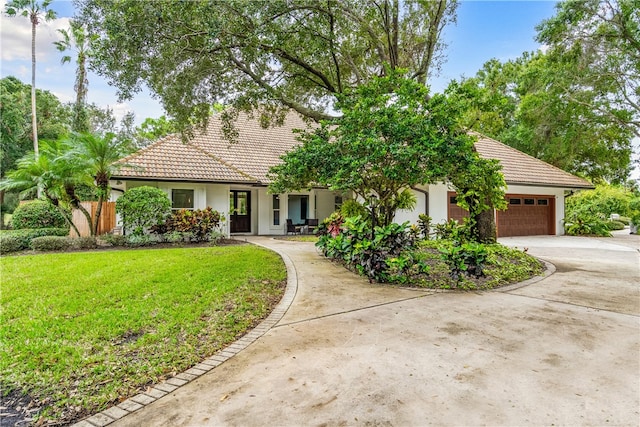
(485, 30)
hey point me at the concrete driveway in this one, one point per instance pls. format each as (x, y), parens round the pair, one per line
(562, 351)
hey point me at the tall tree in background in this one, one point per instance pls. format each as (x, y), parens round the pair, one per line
(532, 104)
(601, 40)
(35, 11)
(295, 54)
(75, 38)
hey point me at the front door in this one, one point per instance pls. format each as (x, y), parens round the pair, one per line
(240, 211)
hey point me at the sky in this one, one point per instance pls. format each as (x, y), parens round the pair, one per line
(485, 30)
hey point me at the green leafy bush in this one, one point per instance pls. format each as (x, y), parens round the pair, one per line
(604, 200)
(625, 220)
(424, 225)
(137, 240)
(51, 243)
(331, 225)
(351, 208)
(384, 255)
(465, 259)
(615, 225)
(37, 214)
(634, 211)
(89, 242)
(19, 240)
(583, 223)
(142, 208)
(114, 239)
(198, 224)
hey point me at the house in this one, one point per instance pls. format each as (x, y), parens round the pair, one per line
(208, 170)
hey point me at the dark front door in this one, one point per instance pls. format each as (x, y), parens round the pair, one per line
(240, 211)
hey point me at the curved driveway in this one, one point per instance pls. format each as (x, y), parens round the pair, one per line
(562, 351)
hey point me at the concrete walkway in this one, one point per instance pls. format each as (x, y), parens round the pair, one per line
(562, 351)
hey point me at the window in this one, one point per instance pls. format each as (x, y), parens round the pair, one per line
(453, 200)
(514, 201)
(337, 203)
(182, 199)
(543, 202)
(276, 209)
(529, 201)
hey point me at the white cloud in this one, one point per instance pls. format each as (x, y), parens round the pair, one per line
(15, 34)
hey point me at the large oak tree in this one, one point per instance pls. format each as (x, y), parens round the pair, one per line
(275, 54)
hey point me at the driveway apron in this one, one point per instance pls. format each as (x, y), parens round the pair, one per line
(562, 351)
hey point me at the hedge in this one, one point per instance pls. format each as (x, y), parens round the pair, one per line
(51, 243)
(37, 214)
(19, 240)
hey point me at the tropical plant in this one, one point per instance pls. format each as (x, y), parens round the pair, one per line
(76, 38)
(200, 224)
(35, 11)
(142, 207)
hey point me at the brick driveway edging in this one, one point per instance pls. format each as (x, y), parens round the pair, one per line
(157, 391)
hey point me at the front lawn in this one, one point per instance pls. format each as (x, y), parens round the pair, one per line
(81, 331)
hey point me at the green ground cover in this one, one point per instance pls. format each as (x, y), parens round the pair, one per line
(80, 331)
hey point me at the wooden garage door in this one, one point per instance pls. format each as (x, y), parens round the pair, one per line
(526, 215)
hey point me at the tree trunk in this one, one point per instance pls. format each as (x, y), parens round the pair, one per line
(34, 120)
(96, 220)
(486, 226)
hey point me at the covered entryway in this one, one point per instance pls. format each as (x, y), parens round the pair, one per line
(526, 215)
(240, 211)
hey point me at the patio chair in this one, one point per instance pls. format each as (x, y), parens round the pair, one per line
(312, 224)
(292, 228)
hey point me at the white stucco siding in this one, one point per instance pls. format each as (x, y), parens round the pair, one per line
(438, 203)
(412, 215)
(325, 203)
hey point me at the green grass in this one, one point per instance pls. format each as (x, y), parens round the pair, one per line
(80, 331)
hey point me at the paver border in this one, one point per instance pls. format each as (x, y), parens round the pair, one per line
(157, 391)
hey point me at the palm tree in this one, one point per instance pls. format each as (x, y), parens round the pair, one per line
(97, 155)
(77, 38)
(35, 11)
(53, 175)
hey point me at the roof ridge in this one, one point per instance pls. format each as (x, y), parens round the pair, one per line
(218, 159)
(528, 155)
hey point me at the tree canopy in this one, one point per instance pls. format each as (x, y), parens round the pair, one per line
(261, 54)
(533, 104)
(392, 136)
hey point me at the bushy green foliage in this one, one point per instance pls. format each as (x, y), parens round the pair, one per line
(331, 225)
(615, 225)
(634, 211)
(465, 259)
(352, 208)
(604, 200)
(37, 214)
(18, 240)
(424, 225)
(142, 208)
(198, 224)
(51, 243)
(383, 255)
(584, 223)
(89, 242)
(138, 240)
(114, 239)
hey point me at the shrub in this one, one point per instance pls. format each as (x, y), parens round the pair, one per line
(603, 201)
(424, 225)
(465, 259)
(18, 240)
(634, 211)
(383, 255)
(51, 243)
(200, 223)
(351, 208)
(114, 239)
(37, 214)
(582, 223)
(89, 242)
(331, 225)
(615, 225)
(137, 240)
(142, 208)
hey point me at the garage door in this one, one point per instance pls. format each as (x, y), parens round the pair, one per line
(526, 215)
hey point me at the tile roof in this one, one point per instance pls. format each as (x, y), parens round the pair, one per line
(521, 168)
(211, 158)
